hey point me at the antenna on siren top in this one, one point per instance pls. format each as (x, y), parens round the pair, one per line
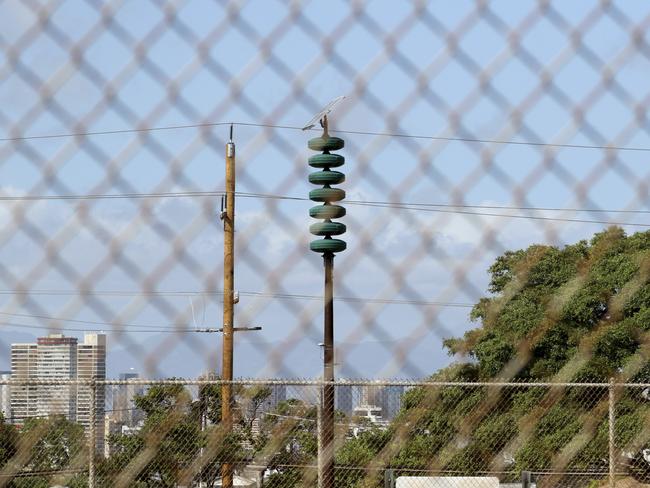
(322, 115)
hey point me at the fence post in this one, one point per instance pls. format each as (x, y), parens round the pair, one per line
(319, 440)
(92, 434)
(389, 478)
(611, 434)
(525, 479)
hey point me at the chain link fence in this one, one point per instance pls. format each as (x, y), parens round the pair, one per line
(387, 433)
(497, 243)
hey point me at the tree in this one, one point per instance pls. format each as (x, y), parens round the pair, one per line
(181, 439)
(291, 429)
(171, 430)
(576, 313)
(207, 407)
(250, 401)
(56, 443)
(8, 441)
(551, 298)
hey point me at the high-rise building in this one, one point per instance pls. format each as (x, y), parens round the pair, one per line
(5, 396)
(370, 395)
(23, 400)
(57, 357)
(123, 410)
(343, 398)
(91, 365)
(388, 398)
(277, 396)
(391, 401)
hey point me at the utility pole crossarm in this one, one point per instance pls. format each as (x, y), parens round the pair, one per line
(221, 329)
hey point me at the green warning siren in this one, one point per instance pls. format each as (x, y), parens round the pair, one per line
(327, 195)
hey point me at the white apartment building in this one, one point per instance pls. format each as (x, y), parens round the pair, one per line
(122, 398)
(91, 364)
(5, 396)
(23, 399)
(57, 357)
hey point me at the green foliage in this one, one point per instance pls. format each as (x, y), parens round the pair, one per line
(208, 402)
(291, 429)
(55, 442)
(358, 452)
(553, 296)
(8, 441)
(549, 305)
(177, 430)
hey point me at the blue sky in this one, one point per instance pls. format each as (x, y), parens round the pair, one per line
(566, 73)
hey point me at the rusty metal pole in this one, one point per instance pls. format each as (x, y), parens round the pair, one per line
(228, 304)
(327, 421)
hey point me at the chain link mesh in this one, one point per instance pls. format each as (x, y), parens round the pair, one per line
(472, 130)
(408, 433)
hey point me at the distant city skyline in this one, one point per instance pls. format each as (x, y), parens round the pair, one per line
(59, 357)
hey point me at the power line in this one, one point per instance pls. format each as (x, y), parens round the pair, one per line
(186, 293)
(74, 329)
(174, 329)
(124, 328)
(89, 322)
(387, 301)
(500, 207)
(450, 208)
(115, 131)
(342, 131)
(492, 214)
(422, 207)
(112, 196)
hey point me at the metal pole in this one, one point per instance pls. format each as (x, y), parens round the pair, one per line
(228, 303)
(327, 420)
(319, 440)
(389, 478)
(525, 479)
(327, 246)
(92, 434)
(611, 434)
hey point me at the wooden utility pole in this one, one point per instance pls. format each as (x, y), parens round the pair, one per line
(228, 303)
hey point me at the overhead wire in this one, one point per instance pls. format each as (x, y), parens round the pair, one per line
(89, 322)
(422, 207)
(86, 329)
(179, 328)
(185, 293)
(18, 138)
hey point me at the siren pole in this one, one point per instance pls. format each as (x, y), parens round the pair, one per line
(328, 246)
